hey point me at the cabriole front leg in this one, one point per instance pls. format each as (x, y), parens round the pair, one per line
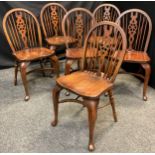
(55, 95)
(147, 69)
(91, 105)
(24, 79)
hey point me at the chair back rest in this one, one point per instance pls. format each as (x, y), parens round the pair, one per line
(51, 19)
(21, 29)
(106, 12)
(137, 26)
(107, 43)
(76, 23)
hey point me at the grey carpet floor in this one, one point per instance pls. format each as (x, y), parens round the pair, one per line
(25, 126)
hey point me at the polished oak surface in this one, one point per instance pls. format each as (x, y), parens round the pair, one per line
(85, 83)
(33, 54)
(60, 40)
(136, 56)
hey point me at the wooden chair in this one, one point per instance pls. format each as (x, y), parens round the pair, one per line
(76, 23)
(51, 21)
(137, 26)
(100, 67)
(106, 12)
(23, 33)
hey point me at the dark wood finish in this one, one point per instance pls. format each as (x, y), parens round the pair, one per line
(85, 83)
(16, 73)
(76, 24)
(91, 105)
(60, 40)
(51, 16)
(137, 26)
(106, 12)
(33, 54)
(138, 57)
(23, 33)
(97, 75)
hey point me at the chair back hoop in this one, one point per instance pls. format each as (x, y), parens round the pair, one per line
(76, 24)
(104, 49)
(137, 26)
(51, 16)
(106, 12)
(22, 29)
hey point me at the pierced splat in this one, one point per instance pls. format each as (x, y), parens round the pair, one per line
(138, 27)
(107, 43)
(106, 12)
(108, 31)
(106, 15)
(23, 33)
(106, 40)
(79, 28)
(132, 29)
(55, 18)
(21, 26)
(76, 24)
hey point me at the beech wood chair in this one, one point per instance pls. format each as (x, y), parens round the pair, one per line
(106, 12)
(76, 24)
(99, 70)
(23, 33)
(137, 26)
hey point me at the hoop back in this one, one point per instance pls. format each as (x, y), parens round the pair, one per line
(106, 12)
(22, 29)
(107, 42)
(137, 26)
(51, 19)
(76, 23)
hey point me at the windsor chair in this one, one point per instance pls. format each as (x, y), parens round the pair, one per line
(106, 12)
(98, 73)
(76, 23)
(23, 33)
(51, 21)
(137, 26)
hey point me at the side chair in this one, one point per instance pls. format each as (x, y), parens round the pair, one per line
(23, 34)
(97, 75)
(138, 26)
(51, 17)
(76, 24)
